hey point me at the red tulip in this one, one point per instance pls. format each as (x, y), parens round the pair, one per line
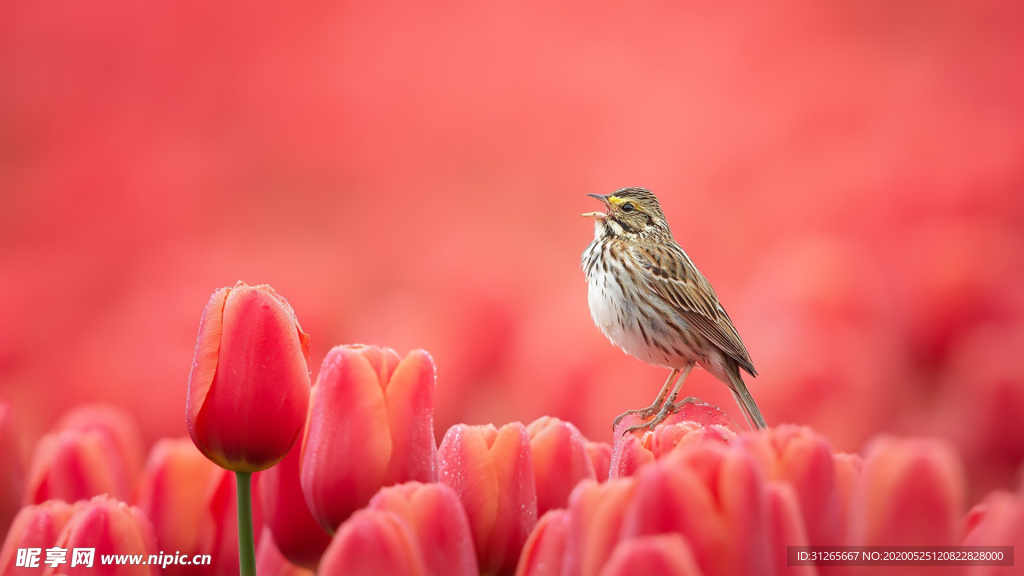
(370, 425)
(560, 461)
(912, 494)
(117, 424)
(491, 470)
(997, 521)
(111, 528)
(75, 465)
(438, 522)
(249, 387)
(373, 543)
(12, 468)
(175, 491)
(295, 533)
(35, 526)
(270, 561)
(664, 554)
(544, 551)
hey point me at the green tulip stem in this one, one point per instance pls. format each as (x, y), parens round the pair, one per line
(246, 545)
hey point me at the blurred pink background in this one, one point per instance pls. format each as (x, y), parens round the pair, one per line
(849, 175)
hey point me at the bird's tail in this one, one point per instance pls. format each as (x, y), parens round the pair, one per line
(746, 402)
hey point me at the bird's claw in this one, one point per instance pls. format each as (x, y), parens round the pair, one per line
(644, 413)
(667, 410)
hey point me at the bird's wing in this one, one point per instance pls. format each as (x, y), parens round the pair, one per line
(670, 274)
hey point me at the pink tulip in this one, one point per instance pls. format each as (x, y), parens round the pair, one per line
(295, 533)
(694, 423)
(270, 561)
(117, 424)
(786, 528)
(373, 543)
(175, 493)
(12, 468)
(544, 551)
(370, 425)
(664, 555)
(75, 465)
(438, 522)
(912, 494)
(249, 387)
(803, 459)
(560, 461)
(112, 528)
(716, 497)
(596, 513)
(491, 470)
(35, 526)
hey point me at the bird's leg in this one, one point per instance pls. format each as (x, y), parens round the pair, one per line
(669, 407)
(646, 413)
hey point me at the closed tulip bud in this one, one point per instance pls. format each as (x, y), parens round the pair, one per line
(111, 528)
(270, 561)
(664, 554)
(35, 526)
(912, 494)
(491, 470)
(295, 533)
(596, 513)
(74, 465)
(370, 425)
(249, 387)
(175, 490)
(544, 551)
(560, 461)
(117, 424)
(373, 543)
(12, 468)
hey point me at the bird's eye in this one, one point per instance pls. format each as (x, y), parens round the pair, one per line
(627, 207)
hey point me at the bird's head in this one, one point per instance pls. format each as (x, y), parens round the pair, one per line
(631, 212)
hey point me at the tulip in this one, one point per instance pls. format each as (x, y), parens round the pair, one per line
(596, 512)
(786, 528)
(560, 461)
(35, 526)
(600, 454)
(295, 533)
(175, 490)
(270, 561)
(370, 425)
(491, 470)
(117, 424)
(373, 543)
(716, 497)
(249, 387)
(694, 423)
(996, 521)
(803, 459)
(544, 551)
(12, 468)
(248, 391)
(912, 494)
(75, 465)
(112, 528)
(438, 522)
(665, 555)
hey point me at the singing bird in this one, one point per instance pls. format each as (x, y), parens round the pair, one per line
(649, 299)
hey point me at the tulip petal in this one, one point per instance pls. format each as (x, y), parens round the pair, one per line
(409, 396)
(544, 551)
(35, 526)
(295, 532)
(664, 555)
(75, 465)
(111, 527)
(373, 543)
(560, 461)
(270, 561)
(596, 515)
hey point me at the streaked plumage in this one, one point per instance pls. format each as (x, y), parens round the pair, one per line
(649, 299)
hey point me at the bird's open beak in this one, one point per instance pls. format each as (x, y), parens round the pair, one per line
(597, 215)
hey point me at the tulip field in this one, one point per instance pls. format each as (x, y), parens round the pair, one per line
(295, 288)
